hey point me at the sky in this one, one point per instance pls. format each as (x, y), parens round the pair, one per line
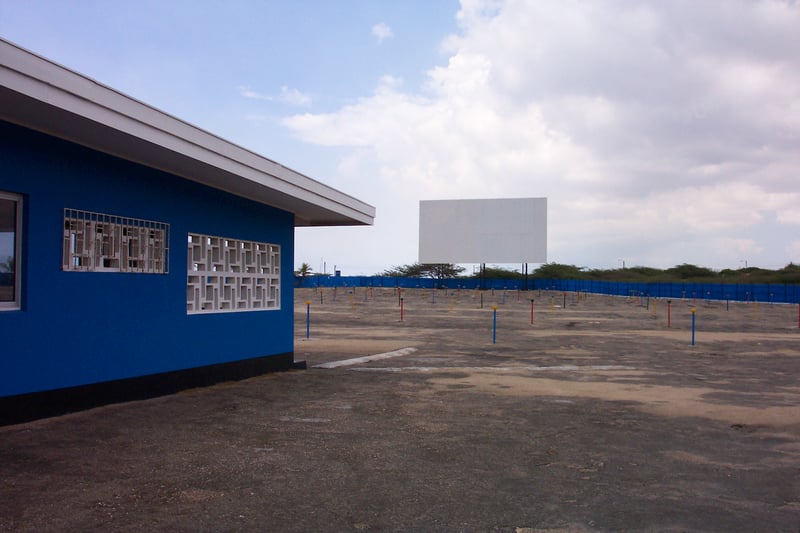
(661, 133)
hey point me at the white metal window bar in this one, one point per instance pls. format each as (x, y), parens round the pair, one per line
(97, 242)
(226, 275)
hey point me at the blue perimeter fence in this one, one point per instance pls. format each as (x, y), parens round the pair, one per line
(743, 292)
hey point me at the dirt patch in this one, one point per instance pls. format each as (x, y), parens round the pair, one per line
(658, 400)
(323, 349)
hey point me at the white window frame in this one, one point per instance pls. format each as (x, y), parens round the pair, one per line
(226, 275)
(98, 242)
(15, 304)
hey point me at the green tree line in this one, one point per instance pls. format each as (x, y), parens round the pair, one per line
(687, 273)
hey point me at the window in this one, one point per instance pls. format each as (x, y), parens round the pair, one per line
(96, 242)
(225, 275)
(10, 238)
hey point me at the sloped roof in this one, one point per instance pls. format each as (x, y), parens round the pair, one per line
(42, 95)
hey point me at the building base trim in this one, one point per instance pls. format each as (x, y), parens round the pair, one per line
(26, 407)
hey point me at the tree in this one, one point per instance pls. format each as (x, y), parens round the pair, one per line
(303, 271)
(415, 270)
(687, 271)
(789, 274)
(442, 271)
(558, 271)
(495, 272)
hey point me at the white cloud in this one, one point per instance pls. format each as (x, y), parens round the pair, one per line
(664, 132)
(286, 96)
(382, 32)
(293, 97)
(790, 215)
(247, 92)
(738, 247)
(793, 251)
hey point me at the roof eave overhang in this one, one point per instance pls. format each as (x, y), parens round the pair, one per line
(47, 97)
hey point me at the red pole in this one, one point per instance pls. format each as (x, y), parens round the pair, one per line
(531, 311)
(401, 309)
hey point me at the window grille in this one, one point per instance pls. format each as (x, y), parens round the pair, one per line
(96, 242)
(225, 275)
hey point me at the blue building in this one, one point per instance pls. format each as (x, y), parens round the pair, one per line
(139, 255)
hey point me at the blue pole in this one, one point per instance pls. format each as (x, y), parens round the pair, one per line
(694, 312)
(494, 324)
(308, 319)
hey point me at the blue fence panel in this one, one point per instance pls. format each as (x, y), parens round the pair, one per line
(743, 292)
(776, 293)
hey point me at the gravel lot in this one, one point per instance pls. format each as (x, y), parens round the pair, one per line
(596, 417)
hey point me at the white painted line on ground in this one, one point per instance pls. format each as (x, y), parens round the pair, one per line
(367, 358)
(567, 368)
(305, 420)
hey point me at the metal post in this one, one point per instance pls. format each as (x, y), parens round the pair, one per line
(308, 319)
(669, 313)
(694, 312)
(494, 324)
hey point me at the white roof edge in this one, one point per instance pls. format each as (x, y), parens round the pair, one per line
(241, 171)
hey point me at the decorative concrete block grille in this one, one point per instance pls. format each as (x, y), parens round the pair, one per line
(95, 242)
(227, 275)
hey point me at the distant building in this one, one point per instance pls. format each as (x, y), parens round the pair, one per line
(139, 255)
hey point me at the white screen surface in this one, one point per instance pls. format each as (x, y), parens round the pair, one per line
(504, 230)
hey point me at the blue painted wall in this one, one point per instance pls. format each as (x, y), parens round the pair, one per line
(79, 328)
